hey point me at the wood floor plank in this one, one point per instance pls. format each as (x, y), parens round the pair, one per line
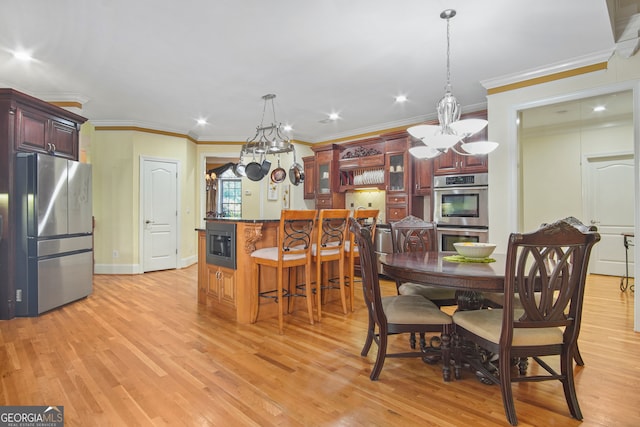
(140, 351)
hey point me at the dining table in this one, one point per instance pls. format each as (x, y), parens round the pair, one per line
(433, 268)
(470, 278)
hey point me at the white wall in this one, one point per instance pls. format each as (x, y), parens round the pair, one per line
(552, 169)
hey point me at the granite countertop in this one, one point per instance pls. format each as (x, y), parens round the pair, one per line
(241, 220)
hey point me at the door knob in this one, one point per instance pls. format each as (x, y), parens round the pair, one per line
(148, 221)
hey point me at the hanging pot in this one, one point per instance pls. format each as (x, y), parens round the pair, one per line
(266, 165)
(296, 173)
(239, 169)
(278, 175)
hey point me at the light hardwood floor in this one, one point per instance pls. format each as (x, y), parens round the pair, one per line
(139, 351)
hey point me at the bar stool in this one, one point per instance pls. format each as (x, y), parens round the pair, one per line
(331, 240)
(295, 237)
(366, 218)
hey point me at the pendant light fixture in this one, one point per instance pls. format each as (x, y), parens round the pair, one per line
(268, 139)
(440, 138)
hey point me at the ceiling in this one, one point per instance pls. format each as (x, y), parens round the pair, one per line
(162, 64)
(616, 107)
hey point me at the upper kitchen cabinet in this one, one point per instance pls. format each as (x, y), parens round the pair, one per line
(309, 183)
(363, 165)
(422, 176)
(327, 177)
(451, 163)
(42, 127)
(398, 170)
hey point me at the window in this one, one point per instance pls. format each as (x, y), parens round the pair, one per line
(229, 201)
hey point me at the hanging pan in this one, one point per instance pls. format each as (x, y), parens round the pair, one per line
(254, 170)
(278, 175)
(296, 173)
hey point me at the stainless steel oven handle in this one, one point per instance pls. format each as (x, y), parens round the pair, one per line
(480, 188)
(448, 230)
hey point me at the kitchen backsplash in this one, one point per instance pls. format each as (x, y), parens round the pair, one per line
(373, 199)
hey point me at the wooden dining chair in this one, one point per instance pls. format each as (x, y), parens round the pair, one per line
(547, 269)
(295, 238)
(367, 218)
(331, 237)
(413, 234)
(496, 299)
(396, 314)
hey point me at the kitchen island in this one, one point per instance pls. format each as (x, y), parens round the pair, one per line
(231, 291)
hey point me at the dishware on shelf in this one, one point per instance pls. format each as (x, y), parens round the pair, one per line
(474, 249)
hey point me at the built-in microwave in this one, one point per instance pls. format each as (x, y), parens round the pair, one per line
(221, 244)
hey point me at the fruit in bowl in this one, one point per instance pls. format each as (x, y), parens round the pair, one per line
(474, 250)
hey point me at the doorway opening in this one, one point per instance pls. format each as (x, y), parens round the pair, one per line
(555, 142)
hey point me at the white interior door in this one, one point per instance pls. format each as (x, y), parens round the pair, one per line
(609, 202)
(159, 216)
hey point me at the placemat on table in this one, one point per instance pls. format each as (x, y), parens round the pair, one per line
(460, 258)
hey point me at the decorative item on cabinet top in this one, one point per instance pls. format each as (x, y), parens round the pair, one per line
(362, 157)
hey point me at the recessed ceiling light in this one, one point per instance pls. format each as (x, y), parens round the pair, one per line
(599, 108)
(401, 98)
(287, 128)
(334, 116)
(201, 122)
(22, 55)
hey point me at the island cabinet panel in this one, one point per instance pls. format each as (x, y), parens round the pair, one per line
(221, 285)
(233, 293)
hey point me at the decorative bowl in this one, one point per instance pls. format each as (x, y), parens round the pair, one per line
(474, 250)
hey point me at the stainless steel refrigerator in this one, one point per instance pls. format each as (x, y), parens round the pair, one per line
(55, 226)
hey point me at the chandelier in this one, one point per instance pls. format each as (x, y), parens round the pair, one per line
(268, 139)
(440, 138)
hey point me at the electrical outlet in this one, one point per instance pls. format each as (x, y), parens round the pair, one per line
(18, 295)
(116, 254)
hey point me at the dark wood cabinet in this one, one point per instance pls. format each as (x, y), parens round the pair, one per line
(327, 177)
(32, 125)
(451, 163)
(44, 132)
(398, 171)
(422, 176)
(309, 164)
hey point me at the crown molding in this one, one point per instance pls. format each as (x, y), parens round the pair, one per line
(585, 62)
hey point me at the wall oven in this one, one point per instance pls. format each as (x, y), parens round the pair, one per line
(461, 200)
(447, 236)
(221, 244)
(460, 208)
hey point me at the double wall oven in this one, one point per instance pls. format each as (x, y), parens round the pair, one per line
(460, 204)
